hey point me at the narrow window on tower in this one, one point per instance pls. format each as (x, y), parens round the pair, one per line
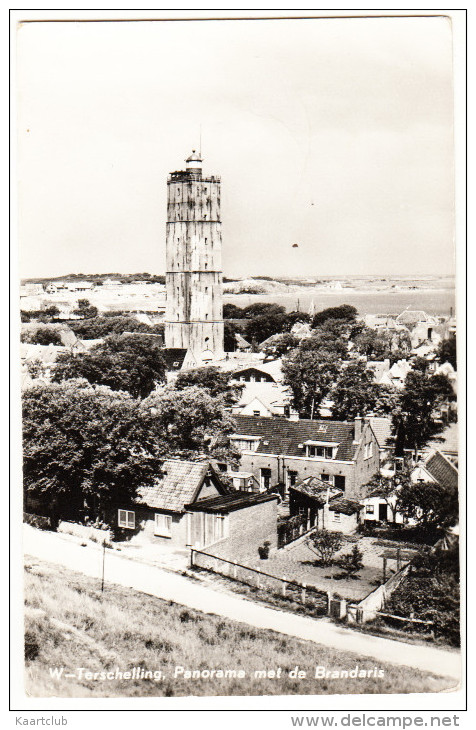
(206, 266)
(205, 217)
(206, 240)
(206, 290)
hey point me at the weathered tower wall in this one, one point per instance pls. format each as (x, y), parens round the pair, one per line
(194, 311)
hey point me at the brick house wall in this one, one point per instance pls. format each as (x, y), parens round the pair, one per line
(345, 524)
(248, 529)
(145, 527)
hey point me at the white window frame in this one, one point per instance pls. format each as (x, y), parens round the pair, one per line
(326, 446)
(244, 442)
(336, 516)
(164, 529)
(125, 520)
(369, 509)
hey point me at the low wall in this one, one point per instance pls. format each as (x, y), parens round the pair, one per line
(43, 523)
(292, 590)
(86, 532)
(369, 606)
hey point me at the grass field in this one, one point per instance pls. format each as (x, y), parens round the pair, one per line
(70, 624)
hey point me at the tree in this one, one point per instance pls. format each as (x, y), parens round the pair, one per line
(43, 336)
(261, 327)
(387, 400)
(344, 312)
(86, 450)
(324, 339)
(447, 351)
(293, 317)
(379, 345)
(432, 593)
(310, 374)
(229, 336)
(231, 311)
(259, 309)
(111, 323)
(280, 345)
(351, 563)
(130, 363)
(191, 421)
(354, 394)
(218, 383)
(85, 309)
(433, 506)
(413, 421)
(325, 545)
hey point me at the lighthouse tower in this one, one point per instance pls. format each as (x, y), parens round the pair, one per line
(194, 311)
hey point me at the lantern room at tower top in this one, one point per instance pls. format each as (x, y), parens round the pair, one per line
(194, 312)
(193, 171)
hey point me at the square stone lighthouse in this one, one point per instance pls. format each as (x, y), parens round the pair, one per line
(194, 311)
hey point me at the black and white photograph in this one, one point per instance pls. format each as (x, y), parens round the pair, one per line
(237, 310)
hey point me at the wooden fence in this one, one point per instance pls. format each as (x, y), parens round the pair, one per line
(292, 529)
(290, 590)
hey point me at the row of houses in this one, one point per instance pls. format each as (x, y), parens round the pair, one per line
(189, 506)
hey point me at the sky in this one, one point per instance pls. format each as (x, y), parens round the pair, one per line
(335, 134)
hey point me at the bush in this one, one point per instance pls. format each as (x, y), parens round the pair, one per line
(351, 563)
(325, 545)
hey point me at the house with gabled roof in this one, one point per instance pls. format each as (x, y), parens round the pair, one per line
(280, 451)
(189, 506)
(323, 506)
(436, 468)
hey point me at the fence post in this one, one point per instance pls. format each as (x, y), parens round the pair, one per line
(303, 593)
(284, 585)
(328, 602)
(234, 569)
(384, 568)
(191, 557)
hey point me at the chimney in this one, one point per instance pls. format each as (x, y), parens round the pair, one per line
(358, 428)
(293, 416)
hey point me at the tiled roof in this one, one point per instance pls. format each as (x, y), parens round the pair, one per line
(447, 441)
(272, 368)
(410, 316)
(177, 487)
(230, 502)
(270, 394)
(317, 489)
(442, 470)
(240, 340)
(47, 354)
(280, 436)
(173, 355)
(382, 428)
(346, 506)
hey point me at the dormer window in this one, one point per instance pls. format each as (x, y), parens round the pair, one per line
(321, 449)
(245, 443)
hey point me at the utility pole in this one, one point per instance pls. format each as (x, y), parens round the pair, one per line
(103, 561)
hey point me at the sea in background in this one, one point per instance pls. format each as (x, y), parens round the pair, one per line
(438, 301)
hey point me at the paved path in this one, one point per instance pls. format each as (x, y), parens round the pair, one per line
(148, 579)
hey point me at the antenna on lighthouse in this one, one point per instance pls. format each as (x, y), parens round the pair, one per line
(200, 146)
